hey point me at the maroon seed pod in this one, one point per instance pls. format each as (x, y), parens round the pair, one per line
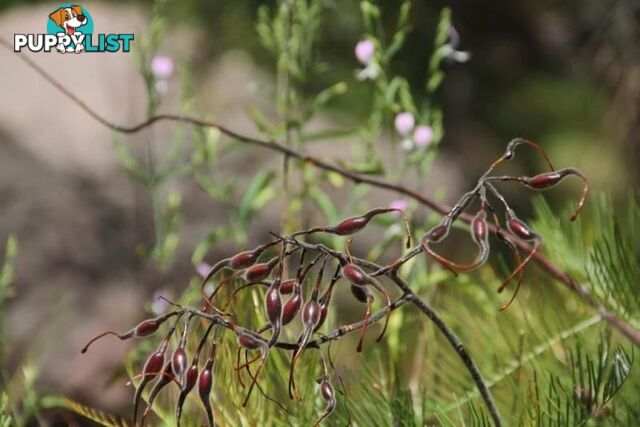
(360, 293)
(179, 357)
(544, 180)
(251, 343)
(311, 314)
(520, 229)
(248, 342)
(273, 304)
(190, 378)
(291, 309)
(328, 394)
(179, 362)
(243, 260)
(549, 180)
(141, 330)
(246, 259)
(324, 311)
(350, 226)
(436, 234)
(355, 275)
(153, 365)
(258, 272)
(310, 319)
(287, 286)
(191, 375)
(152, 368)
(479, 228)
(205, 383)
(165, 378)
(327, 391)
(354, 224)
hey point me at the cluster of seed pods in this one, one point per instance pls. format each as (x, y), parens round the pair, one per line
(297, 307)
(516, 229)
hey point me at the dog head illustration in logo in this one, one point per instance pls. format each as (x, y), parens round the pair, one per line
(69, 19)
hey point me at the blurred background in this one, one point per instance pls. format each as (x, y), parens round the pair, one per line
(565, 74)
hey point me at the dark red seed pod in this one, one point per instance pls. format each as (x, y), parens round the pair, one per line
(291, 309)
(311, 314)
(360, 293)
(141, 330)
(179, 362)
(146, 328)
(190, 377)
(288, 286)
(520, 229)
(350, 225)
(327, 391)
(545, 180)
(248, 342)
(324, 310)
(205, 383)
(153, 365)
(436, 234)
(243, 260)
(261, 271)
(354, 224)
(355, 275)
(273, 304)
(165, 378)
(152, 368)
(479, 227)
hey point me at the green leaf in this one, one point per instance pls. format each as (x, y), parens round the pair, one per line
(95, 415)
(323, 201)
(365, 168)
(7, 274)
(257, 195)
(326, 135)
(326, 95)
(210, 239)
(5, 418)
(129, 163)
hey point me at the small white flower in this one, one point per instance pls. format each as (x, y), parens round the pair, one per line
(404, 123)
(451, 51)
(162, 86)
(370, 72)
(422, 136)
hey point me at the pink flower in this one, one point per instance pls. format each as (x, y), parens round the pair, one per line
(203, 269)
(162, 67)
(365, 50)
(400, 204)
(404, 123)
(159, 306)
(422, 136)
